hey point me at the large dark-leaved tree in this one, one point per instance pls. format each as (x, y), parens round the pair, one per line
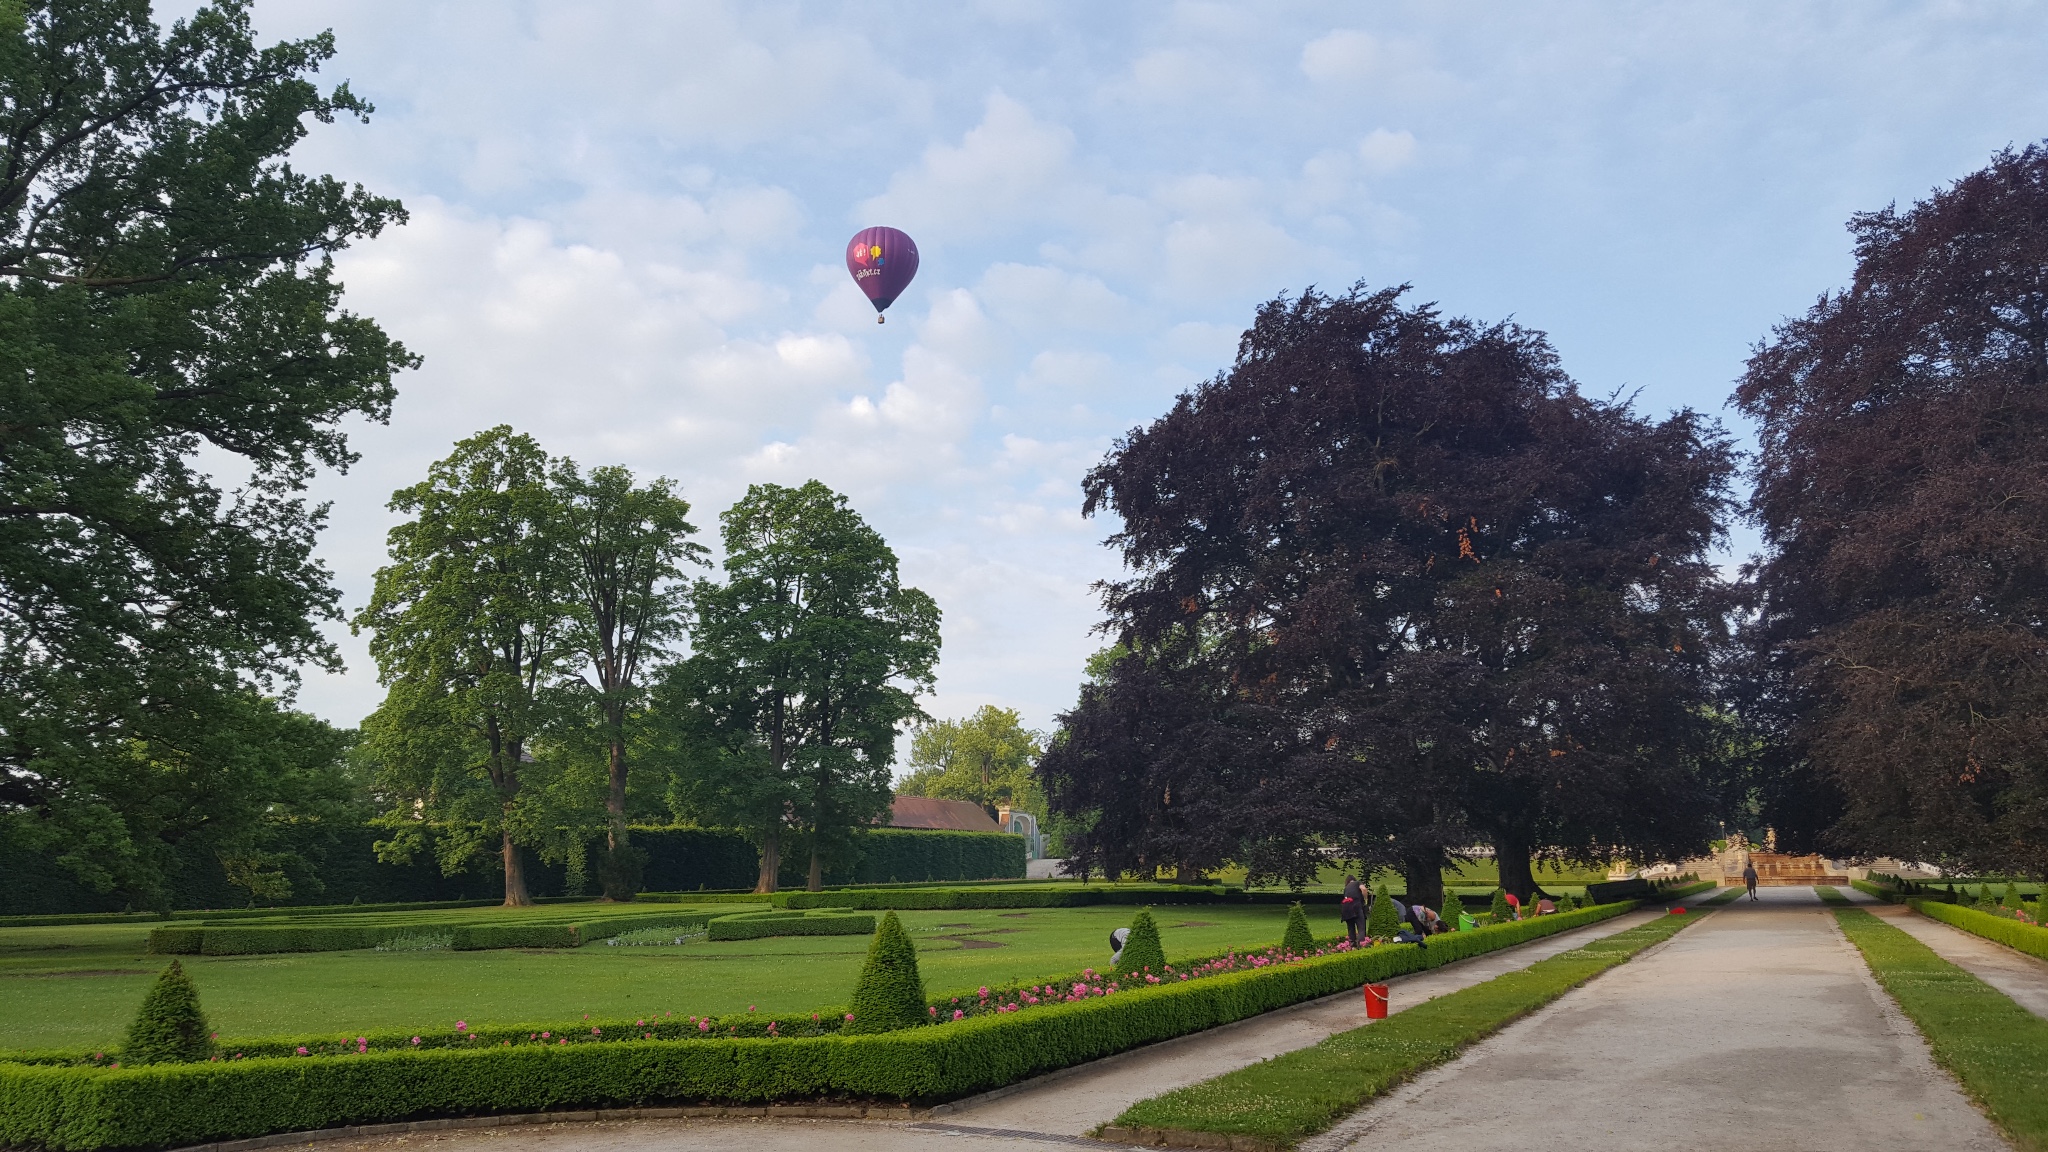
(1901, 634)
(1426, 591)
(165, 289)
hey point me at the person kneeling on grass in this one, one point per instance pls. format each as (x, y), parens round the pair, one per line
(1413, 926)
(1116, 944)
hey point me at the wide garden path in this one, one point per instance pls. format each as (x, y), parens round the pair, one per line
(1054, 1109)
(1759, 1027)
(2014, 973)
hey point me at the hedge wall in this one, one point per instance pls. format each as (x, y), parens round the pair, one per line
(1052, 896)
(2028, 938)
(86, 1108)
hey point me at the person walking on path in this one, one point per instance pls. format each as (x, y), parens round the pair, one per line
(1749, 877)
(1352, 911)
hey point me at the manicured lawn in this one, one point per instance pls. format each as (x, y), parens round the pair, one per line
(78, 986)
(1997, 1049)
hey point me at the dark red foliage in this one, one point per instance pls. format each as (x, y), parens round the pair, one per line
(1902, 488)
(1428, 587)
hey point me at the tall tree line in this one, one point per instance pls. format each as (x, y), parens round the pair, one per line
(529, 630)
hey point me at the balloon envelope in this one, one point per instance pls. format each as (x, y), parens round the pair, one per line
(882, 261)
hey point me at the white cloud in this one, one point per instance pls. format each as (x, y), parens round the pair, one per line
(1009, 169)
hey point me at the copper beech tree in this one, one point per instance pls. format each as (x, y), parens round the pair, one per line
(1398, 587)
(1900, 637)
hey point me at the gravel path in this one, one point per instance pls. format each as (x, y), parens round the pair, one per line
(2014, 973)
(1759, 1028)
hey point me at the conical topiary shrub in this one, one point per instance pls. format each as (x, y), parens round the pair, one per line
(1384, 920)
(2011, 899)
(890, 994)
(170, 1028)
(1502, 913)
(1142, 950)
(1297, 939)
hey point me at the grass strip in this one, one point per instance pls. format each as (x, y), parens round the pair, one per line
(1830, 895)
(1277, 1102)
(1997, 1049)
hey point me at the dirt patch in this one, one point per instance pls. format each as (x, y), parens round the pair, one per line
(1013, 913)
(81, 972)
(1196, 924)
(956, 925)
(973, 942)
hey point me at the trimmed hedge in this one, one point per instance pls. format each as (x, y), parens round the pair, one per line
(89, 1108)
(2028, 938)
(250, 940)
(1059, 896)
(763, 925)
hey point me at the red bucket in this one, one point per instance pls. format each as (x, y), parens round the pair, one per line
(1678, 911)
(1375, 1001)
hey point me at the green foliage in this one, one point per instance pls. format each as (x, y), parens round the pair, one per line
(340, 934)
(986, 759)
(169, 1028)
(88, 1109)
(1501, 910)
(765, 925)
(2011, 896)
(890, 994)
(2028, 938)
(1143, 951)
(1998, 1049)
(1044, 896)
(1384, 919)
(803, 664)
(1293, 1095)
(1297, 940)
(166, 286)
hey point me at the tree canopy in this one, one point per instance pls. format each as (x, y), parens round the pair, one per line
(166, 288)
(988, 759)
(1901, 607)
(1396, 581)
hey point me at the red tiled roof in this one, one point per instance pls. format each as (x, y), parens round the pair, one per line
(952, 815)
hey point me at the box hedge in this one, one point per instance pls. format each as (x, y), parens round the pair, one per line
(332, 936)
(2028, 938)
(91, 1108)
(764, 925)
(1050, 896)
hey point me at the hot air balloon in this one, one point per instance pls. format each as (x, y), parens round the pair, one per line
(882, 261)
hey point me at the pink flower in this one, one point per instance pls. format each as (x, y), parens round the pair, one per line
(302, 1049)
(934, 1012)
(849, 1017)
(596, 1031)
(544, 1036)
(462, 1026)
(957, 1014)
(750, 1008)
(415, 1041)
(703, 1025)
(984, 991)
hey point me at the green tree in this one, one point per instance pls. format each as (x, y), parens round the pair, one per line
(169, 1028)
(1499, 910)
(624, 547)
(890, 992)
(805, 662)
(1384, 919)
(1142, 951)
(1298, 939)
(470, 626)
(987, 759)
(165, 289)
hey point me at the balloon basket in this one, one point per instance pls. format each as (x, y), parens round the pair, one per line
(1375, 1001)
(881, 319)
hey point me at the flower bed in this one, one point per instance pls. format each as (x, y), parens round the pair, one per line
(100, 1107)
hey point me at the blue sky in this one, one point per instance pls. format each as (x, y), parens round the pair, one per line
(628, 220)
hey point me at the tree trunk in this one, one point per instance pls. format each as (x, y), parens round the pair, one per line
(515, 876)
(816, 883)
(771, 860)
(615, 804)
(1511, 854)
(1425, 881)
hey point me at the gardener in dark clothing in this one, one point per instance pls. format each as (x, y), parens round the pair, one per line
(1352, 911)
(1749, 878)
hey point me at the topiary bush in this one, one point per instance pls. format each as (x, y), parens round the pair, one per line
(1501, 911)
(1297, 939)
(1142, 949)
(2011, 899)
(170, 1028)
(890, 994)
(1383, 921)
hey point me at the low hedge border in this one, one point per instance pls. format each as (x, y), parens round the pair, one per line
(2028, 938)
(235, 940)
(90, 1108)
(1276, 1102)
(1062, 896)
(765, 925)
(1995, 1048)
(1877, 890)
